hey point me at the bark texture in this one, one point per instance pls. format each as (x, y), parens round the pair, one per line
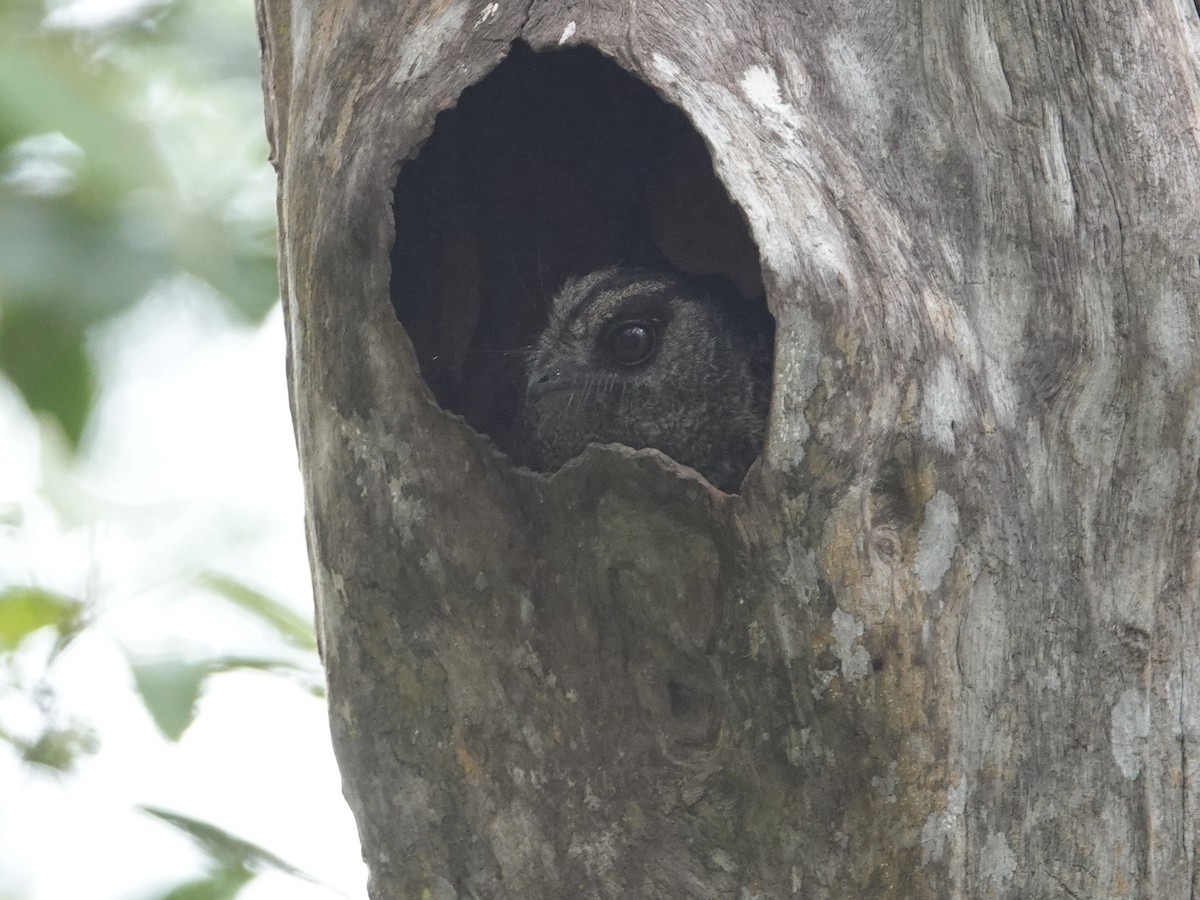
(944, 642)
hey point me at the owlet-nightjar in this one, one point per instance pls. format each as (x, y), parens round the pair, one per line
(649, 359)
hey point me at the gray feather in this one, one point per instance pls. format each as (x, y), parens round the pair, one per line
(700, 395)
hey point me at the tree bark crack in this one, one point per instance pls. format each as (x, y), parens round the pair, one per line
(525, 19)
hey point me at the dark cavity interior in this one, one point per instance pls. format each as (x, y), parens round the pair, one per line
(554, 165)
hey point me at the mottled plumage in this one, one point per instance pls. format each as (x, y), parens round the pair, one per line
(649, 359)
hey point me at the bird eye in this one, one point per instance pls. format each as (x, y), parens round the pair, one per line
(630, 343)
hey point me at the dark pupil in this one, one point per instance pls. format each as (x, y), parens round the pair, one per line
(631, 343)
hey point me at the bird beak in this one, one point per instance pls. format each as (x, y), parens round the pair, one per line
(543, 383)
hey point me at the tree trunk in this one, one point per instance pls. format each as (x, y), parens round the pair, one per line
(944, 641)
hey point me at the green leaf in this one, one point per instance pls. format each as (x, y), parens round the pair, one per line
(43, 354)
(221, 885)
(59, 749)
(294, 628)
(23, 610)
(170, 689)
(224, 848)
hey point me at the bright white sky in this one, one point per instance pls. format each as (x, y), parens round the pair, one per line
(190, 466)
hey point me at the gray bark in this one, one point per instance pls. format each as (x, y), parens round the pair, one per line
(944, 642)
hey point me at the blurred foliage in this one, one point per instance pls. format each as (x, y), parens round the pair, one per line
(233, 862)
(130, 145)
(171, 687)
(24, 610)
(26, 613)
(124, 157)
(294, 629)
(131, 154)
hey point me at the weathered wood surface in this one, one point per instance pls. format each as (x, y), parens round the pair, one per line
(945, 642)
